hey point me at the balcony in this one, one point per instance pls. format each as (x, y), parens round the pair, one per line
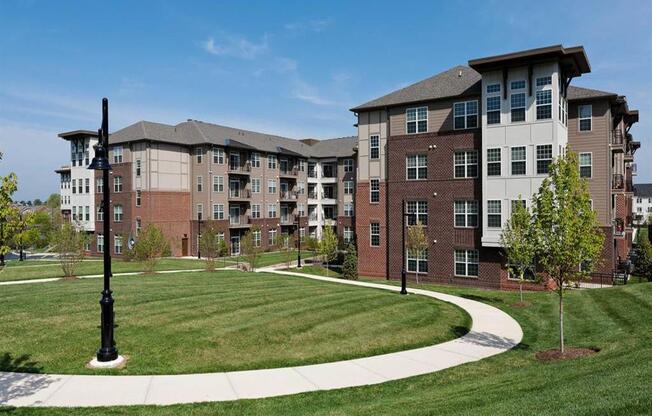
(288, 219)
(241, 221)
(288, 173)
(618, 182)
(239, 194)
(288, 196)
(617, 140)
(619, 227)
(240, 169)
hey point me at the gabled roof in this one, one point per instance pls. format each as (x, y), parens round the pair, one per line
(457, 81)
(580, 93)
(643, 190)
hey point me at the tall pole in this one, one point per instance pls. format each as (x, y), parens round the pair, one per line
(403, 273)
(108, 351)
(298, 242)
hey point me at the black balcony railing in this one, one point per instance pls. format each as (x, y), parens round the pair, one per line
(243, 168)
(288, 195)
(239, 193)
(617, 137)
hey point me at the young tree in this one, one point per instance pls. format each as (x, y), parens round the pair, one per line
(288, 249)
(68, 242)
(643, 264)
(311, 244)
(23, 235)
(328, 246)
(209, 246)
(8, 185)
(518, 242)
(416, 243)
(566, 229)
(222, 250)
(350, 266)
(150, 247)
(250, 247)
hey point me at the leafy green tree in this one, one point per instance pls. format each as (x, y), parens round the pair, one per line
(566, 229)
(416, 243)
(209, 246)
(250, 248)
(8, 185)
(37, 202)
(287, 250)
(643, 263)
(68, 242)
(23, 235)
(150, 247)
(350, 266)
(222, 250)
(311, 244)
(328, 246)
(518, 242)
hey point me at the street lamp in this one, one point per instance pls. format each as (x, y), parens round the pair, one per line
(403, 271)
(107, 352)
(298, 242)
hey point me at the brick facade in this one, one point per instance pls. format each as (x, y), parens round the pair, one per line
(372, 261)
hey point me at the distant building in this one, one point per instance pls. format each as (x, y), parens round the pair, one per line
(642, 206)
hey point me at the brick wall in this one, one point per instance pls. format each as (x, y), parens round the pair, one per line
(371, 260)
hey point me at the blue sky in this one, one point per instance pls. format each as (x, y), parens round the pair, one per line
(292, 69)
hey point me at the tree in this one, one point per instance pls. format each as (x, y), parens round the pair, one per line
(250, 247)
(209, 246)
(311, 244)
(518, 242)
(643, 263)
(23, 235)
(37, 202)
(8, 185)
(566, 229)
(150, 247)
(416, 244)
(289, 241)
(68, 242)
(328, 246)
(350, 266)
(222, 249)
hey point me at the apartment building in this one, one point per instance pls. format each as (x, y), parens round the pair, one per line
(194, 174)
(642, 203)
(459, 149)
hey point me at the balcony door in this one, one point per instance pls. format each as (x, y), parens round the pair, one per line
(234, 160)
(235, 245)
(234, 215)
(234, 188)
(285, 214)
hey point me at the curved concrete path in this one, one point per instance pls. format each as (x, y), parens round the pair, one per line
(492, 332)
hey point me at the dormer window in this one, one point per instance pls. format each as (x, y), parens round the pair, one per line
(417, 120)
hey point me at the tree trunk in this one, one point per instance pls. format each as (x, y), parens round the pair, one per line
(520, 285)
(561, 319)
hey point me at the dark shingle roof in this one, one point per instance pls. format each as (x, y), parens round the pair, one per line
(580, 93)
(643, 190)
(460, 80)
(194, 132)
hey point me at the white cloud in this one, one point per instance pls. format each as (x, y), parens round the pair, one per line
(236, 46)
(310, 94)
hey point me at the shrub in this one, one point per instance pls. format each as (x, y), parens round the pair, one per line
(68, 242)
(350, 267)
(150, 247)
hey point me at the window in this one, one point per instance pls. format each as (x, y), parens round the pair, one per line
(374, 146)
(466, 164)
(518, 160)
(271, 211)
(255, 185)
(494, 217)
(517, 101)
(199, 152)
(87, 185)
(271, 161)
(493, 104)
(348, 165)
(543, 81)
(417, 262)
(585, 165)
(301, 188)
(348, 209)
(467, 263)
(100, 243)
(138, 168)
(80, 187)
(494, 166)
(544, 105)
(417, 167)
(117, 246)
(465, 115)
(218, 155)
(74, 186)
(218, 211)
(255, 160)
(256, 237)
(348, 234)
(117, 184)
(585, 114)
(74, 213)
(100, 213)
(139, 198)
(374, 190)
(374, 234)
(87, 211)
(117, 213)
(99, 184)
(218, 183)
(255, 211)
(466, 214)
(301, 210)
(139, 226)
(117, 154)
(418, 211)
(271, 238)
(417, 120)
(544, 158)
(200, 212)
(348, 187)
(516, 202)
(271, 186)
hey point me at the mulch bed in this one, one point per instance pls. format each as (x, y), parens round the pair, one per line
(569, 354)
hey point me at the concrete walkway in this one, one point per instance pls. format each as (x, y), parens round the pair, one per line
(492, 332)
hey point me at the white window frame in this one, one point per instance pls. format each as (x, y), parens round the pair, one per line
(466, 262)
(579, 159)
(537, 160)
(255, 159)
(117, 184)
(200, 212)
(420, 162)
(580, 118)
(200, 183)
(372, 234)
(218, 211)
(118, 213)
(466, 164)
(466, 114)
(139, 198)
(218, 155)
(490, 95)
(467, 213)
(218, 183)
(348, 165)
(117, 154)
(99, 242)
(417, 112)
(514, 92)
(373, 147)
(138, 168)
(348, 187)
(272, 161)
(490, 212)
(255, 211)
(512, 161)
(419, 215)
(373, 191)
(271, 186)
(271, 211)
(499, 162)
(348, 209)
(117, 244)
(199, 154)
(422, 257)
(542, 104)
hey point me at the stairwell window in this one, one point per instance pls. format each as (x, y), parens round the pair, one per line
(493, 103)
(100, 243)
(100, 213)
(117, 184)
(117, 213)
(467, 263)
(586, 167)
(374, 234)
(518, 160)
(200, 212)
(585, 115)
(544, 104)
(465, 115)
(138, 168)
(139, 198)
(200, 184)
(348, 209)
(517, 101)
(218, 156)
(544, 158)
(466, 164)
(348, 165)
(466, 214)
(374, 146)
(348, 187)
(417, 167)
(416, 120)
(494, 165)
(199, 153)
(117, 154)
(494, 217)
(374, 190)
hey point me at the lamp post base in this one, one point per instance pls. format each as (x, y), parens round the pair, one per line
(118, 362)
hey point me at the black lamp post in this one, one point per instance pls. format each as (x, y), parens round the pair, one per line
(107, 351)
(403, 271)
(298, 243)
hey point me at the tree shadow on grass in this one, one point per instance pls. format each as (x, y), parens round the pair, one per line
(15, 382)
(490, 340)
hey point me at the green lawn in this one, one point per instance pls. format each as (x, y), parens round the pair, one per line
(616, 381)
(221, 321)
(317, 270)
